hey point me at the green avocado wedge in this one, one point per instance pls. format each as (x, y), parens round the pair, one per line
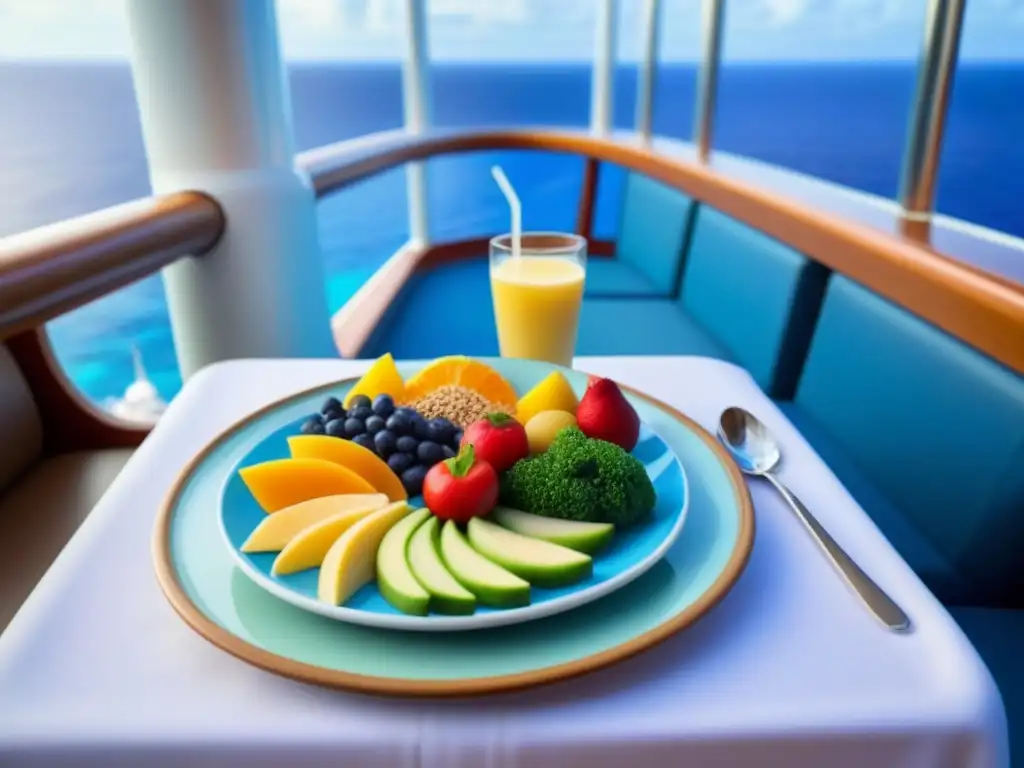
(395, 578)
(492, 584)
(574, 534)
(446, 594)
(539, 562)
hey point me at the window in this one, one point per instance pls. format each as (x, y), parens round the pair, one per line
(71, 143)
(345, 73)
(675, 79)
(821, 88)
(507, 63)
(981, 178)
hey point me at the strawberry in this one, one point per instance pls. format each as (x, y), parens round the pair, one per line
(605, 414)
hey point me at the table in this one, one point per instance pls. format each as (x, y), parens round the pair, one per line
(789, 670)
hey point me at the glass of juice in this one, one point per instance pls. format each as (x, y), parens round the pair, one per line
(537, 294)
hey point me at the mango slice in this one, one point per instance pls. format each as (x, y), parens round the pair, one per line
(360, 460)
(283, 482)
(310, 546)
(276, 530)
(351, 561)
(553, 393)
(383, 378)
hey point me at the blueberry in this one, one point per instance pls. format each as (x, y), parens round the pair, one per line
(330, 404)
(421, 428)
(399, 462)
(362, 413)
(429, 453)
(364, 440)
(457, 438)
(359, 401)
(384, 441)
(408, 443)
(412, 479)
(448, 451)
(337, 428)
(409, 413)
(374, 424)
(383, 406)
(399, 423)
(354, 427)
(444, 428)
(313, 426)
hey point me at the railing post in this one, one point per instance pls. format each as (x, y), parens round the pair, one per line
(415, 87)
(602, 90)
(216, 117)
(712, 23)
(648, 66)
(936, 70)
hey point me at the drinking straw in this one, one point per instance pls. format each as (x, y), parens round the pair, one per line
(515, 209)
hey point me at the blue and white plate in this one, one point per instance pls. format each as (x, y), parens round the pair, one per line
(631, 553)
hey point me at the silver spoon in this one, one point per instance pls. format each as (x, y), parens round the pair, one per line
(757, 453)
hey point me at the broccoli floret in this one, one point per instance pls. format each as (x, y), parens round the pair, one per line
(578, 478)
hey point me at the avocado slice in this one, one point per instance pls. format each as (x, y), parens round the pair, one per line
(395, 579)
(539, 562)
(446, 594)
(491, 583)
(574, 534)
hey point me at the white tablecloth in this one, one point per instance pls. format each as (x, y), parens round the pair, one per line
(789, 670)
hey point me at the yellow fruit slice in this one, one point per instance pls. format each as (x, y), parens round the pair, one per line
(278, 529)
(461, 371)
(364, 462)
(309, 546)
(351, 561)
(383, 378)
(280, 483)
(553, 393)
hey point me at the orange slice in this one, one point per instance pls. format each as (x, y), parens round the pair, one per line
(461, 371)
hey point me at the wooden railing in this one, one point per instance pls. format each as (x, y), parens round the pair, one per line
(985, 311)
(54, 269)
(51, 270)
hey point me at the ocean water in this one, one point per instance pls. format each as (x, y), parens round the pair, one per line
(70, 143)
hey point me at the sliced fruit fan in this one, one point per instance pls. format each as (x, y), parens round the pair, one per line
(449, 489)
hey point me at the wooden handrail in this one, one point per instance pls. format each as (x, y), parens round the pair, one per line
(48, 271)
(985, 312)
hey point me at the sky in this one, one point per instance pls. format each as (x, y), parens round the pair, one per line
(541, 30)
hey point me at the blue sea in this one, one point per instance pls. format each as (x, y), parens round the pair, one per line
(70, 143)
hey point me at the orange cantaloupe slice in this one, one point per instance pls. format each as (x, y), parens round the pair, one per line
(282, 482)
(360, 460)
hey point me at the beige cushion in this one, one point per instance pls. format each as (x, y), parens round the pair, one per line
(40, 512)
(21, 433)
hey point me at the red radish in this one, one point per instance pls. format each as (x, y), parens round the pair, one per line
(498, 439)
(605, 414)
(461, 487)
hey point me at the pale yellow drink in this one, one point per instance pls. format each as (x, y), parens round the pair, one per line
(537, 306)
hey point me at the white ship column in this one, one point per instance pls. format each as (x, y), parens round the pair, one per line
(416, 107)
(602, 89)
(216, 117)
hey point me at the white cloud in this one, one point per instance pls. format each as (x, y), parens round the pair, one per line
(783, 12)
(537, 29)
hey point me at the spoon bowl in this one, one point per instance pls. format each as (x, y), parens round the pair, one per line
(749, 441)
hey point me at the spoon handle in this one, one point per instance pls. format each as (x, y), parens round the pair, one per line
(876, 600)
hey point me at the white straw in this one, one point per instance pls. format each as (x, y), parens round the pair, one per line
(514, 208)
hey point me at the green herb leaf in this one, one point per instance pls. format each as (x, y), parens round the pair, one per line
(460, 464)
